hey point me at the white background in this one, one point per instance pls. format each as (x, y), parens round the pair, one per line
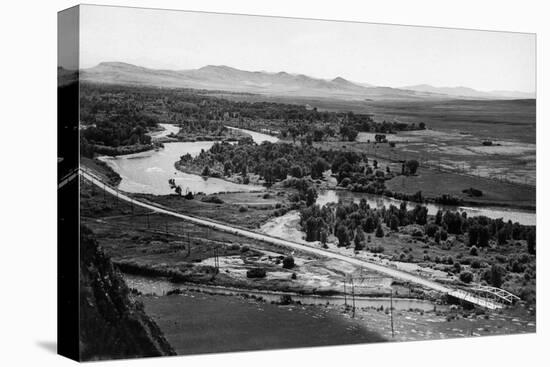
(28, 169)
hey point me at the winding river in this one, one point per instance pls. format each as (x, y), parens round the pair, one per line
(149, 172)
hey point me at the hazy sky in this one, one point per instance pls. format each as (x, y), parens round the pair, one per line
(370, 53)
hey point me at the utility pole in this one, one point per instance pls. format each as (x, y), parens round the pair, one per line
(391, 311)
(353, 297)
(345, 296)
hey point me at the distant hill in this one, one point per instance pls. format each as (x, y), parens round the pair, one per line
(465, 92)
(221, 77)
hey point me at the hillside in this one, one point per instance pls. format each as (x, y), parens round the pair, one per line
(112, 324)
(465, 92)
(226, 78)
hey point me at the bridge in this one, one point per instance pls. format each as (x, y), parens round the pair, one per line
(496, 294)
(470, 297)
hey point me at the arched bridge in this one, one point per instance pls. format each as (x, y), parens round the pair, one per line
(496, 294)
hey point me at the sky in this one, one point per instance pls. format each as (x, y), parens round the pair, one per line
(378, 54)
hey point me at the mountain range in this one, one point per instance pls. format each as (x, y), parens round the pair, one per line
(226, 78)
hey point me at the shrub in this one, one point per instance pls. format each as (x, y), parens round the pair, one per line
(466, 277)
(443, 235)
(256, 273)
(293, 276)
(473, 251)
(494, 276)
(412, 166)
(473, 192)
(417, 233)
(212, 199)
(376, 249)
(431, 229)
(288, 262)
(243, 208)
(285, 299)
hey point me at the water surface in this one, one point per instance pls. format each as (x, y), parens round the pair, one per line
(149, 172)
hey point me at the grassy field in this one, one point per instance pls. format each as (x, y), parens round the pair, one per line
(200, 323)
(248, 210)
(435, 183)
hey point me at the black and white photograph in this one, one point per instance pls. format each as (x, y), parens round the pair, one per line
(254, 183)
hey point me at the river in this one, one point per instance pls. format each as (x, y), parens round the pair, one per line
(149, 172)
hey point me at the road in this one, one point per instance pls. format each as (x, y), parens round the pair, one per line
(394, 273)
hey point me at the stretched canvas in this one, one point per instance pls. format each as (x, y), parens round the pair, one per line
(235, 183)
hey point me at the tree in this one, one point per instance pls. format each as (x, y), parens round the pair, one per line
(502, 236)
(483, 236)
(420, 214)
(288, 262)
(411, 166)
(359, 239)
(311, 196)
(296, 171)
(342, 235)
(178, 190)
(323, 237)
(466, 277)
(318, 168)
(379, 231)
(431, 229)
(494, 275)
(453, 221)
(473, 234)
(368, 225)
(438, 217)
(256, 273)
(394, 223)
(206, 171)
(227, 168)
(473, 251)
